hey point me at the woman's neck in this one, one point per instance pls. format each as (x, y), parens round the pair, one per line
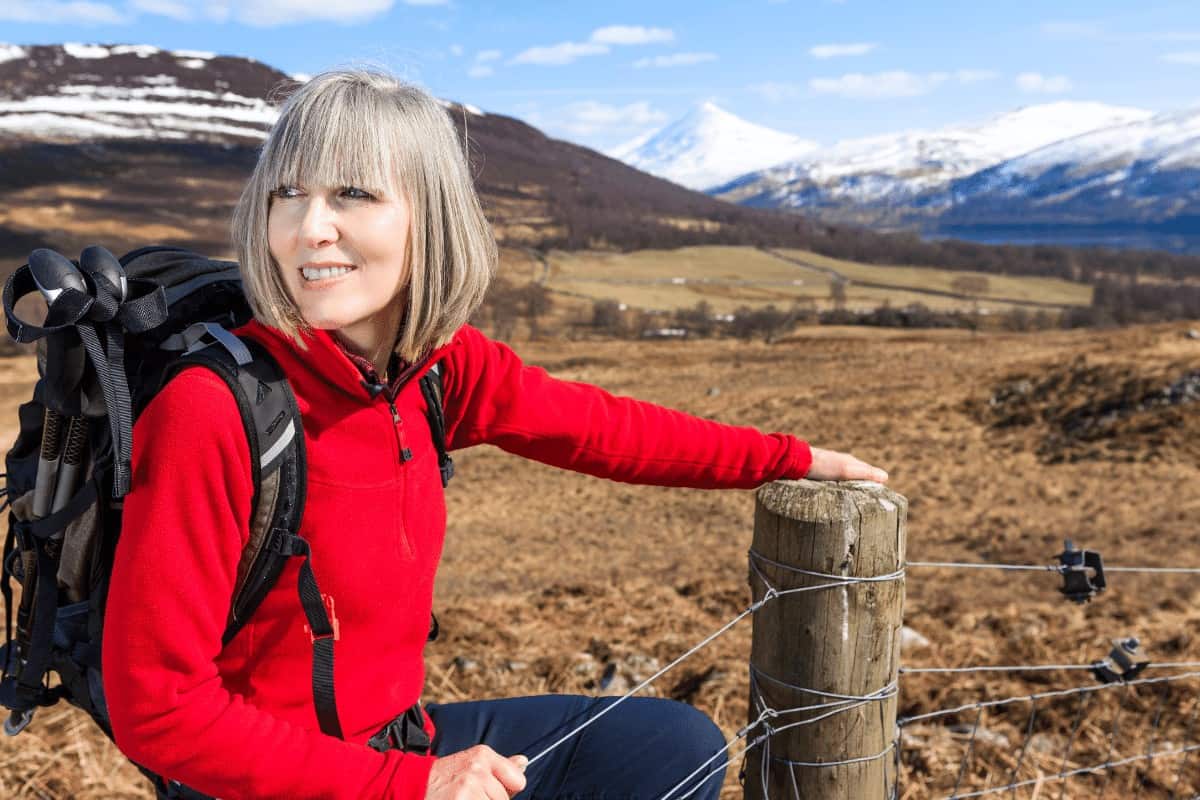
(375, 345)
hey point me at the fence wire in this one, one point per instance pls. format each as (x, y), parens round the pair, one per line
(1167, 725)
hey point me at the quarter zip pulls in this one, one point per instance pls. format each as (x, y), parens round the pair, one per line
(371, 380)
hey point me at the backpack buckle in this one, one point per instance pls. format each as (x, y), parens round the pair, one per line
(18, 721)
(287, 544)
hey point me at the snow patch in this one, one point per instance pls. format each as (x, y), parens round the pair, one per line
(200, 54)
(10, 52)
(163, 91)
(157, 80)
(139, 50)
(86, 50)
(470, 108)
(262, 114)
(193, 63)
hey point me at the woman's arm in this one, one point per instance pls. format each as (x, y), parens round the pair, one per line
(185, 523)
(492, 397)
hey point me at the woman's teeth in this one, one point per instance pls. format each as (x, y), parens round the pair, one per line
(312, 274)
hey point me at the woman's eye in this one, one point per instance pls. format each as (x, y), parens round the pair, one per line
(355, 193)
(285, 192)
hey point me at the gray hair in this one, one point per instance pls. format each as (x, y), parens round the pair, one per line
(369, 129)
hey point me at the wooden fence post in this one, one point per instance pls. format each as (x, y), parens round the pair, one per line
(843, 640)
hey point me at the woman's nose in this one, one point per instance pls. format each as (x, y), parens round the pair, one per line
(319, 223)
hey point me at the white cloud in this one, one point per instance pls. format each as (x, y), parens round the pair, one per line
(557, 54)
(879, 85)
(838, 50)
(480, 71)
(776, 92)
(426, 2)
(86, 13)
(1192, 58)
(456, 50)
(631, 34)
(265, 13)
(589, 117)
(675, 60)
(1037, 83)
(269, 13)
(484, 56)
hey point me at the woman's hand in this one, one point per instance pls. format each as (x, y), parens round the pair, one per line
(479, 773)
(830, 465)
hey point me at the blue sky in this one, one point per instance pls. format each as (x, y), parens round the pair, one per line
(600, 73)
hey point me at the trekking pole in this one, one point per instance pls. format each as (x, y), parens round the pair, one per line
(53, 273)
(103, 268)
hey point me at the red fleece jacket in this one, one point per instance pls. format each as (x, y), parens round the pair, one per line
(238, 721)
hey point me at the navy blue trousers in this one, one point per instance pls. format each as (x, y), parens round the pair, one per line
(638, 751)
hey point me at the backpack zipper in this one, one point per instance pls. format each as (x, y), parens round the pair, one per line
(398, 427)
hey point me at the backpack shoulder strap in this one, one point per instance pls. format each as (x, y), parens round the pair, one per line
(277, 461)
(431, 389)
(272, 423)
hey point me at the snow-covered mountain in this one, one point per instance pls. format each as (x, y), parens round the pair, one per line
(875, 178)
(708, 146)
(74, 92)
(1145, 172)
(85, 91)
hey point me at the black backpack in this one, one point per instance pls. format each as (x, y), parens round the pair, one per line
(105, 349)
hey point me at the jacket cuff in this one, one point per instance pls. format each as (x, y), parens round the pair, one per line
(799, 460)
(411, 776)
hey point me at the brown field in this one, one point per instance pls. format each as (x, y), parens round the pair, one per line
(1004, 444)
(728, 277)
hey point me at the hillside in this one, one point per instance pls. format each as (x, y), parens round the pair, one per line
(188, 124)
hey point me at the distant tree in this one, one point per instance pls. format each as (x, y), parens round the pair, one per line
(837, 293)
(535, 303)
(607, 317)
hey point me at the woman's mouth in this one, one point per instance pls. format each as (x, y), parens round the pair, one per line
(323, 274)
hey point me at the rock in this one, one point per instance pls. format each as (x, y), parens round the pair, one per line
(464, 664)
(517, 666)
(1193, 334)
(983, 736)
(714, 391)
(912, 640)
(1045, 743)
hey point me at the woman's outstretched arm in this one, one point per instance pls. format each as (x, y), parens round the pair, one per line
(492, 397)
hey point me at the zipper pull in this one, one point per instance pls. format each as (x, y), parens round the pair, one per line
(405, 453)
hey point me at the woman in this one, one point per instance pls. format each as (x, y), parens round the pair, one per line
(364, 251)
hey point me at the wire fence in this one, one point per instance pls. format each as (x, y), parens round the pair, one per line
(1121, 732)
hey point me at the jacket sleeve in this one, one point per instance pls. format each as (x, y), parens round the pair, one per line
(492, 397)
(185, 523)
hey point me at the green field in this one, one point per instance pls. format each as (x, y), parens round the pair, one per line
(728, 277)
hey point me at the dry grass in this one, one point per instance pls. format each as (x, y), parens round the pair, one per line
(548, 576)
(669, 279)
(1044, 290)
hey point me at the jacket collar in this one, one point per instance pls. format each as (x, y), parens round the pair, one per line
(328, 360)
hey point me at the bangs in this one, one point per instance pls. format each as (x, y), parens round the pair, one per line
(340, 138)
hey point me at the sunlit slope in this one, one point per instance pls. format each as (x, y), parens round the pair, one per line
(729, 277)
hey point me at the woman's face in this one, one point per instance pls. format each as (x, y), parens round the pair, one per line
(342, 252)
